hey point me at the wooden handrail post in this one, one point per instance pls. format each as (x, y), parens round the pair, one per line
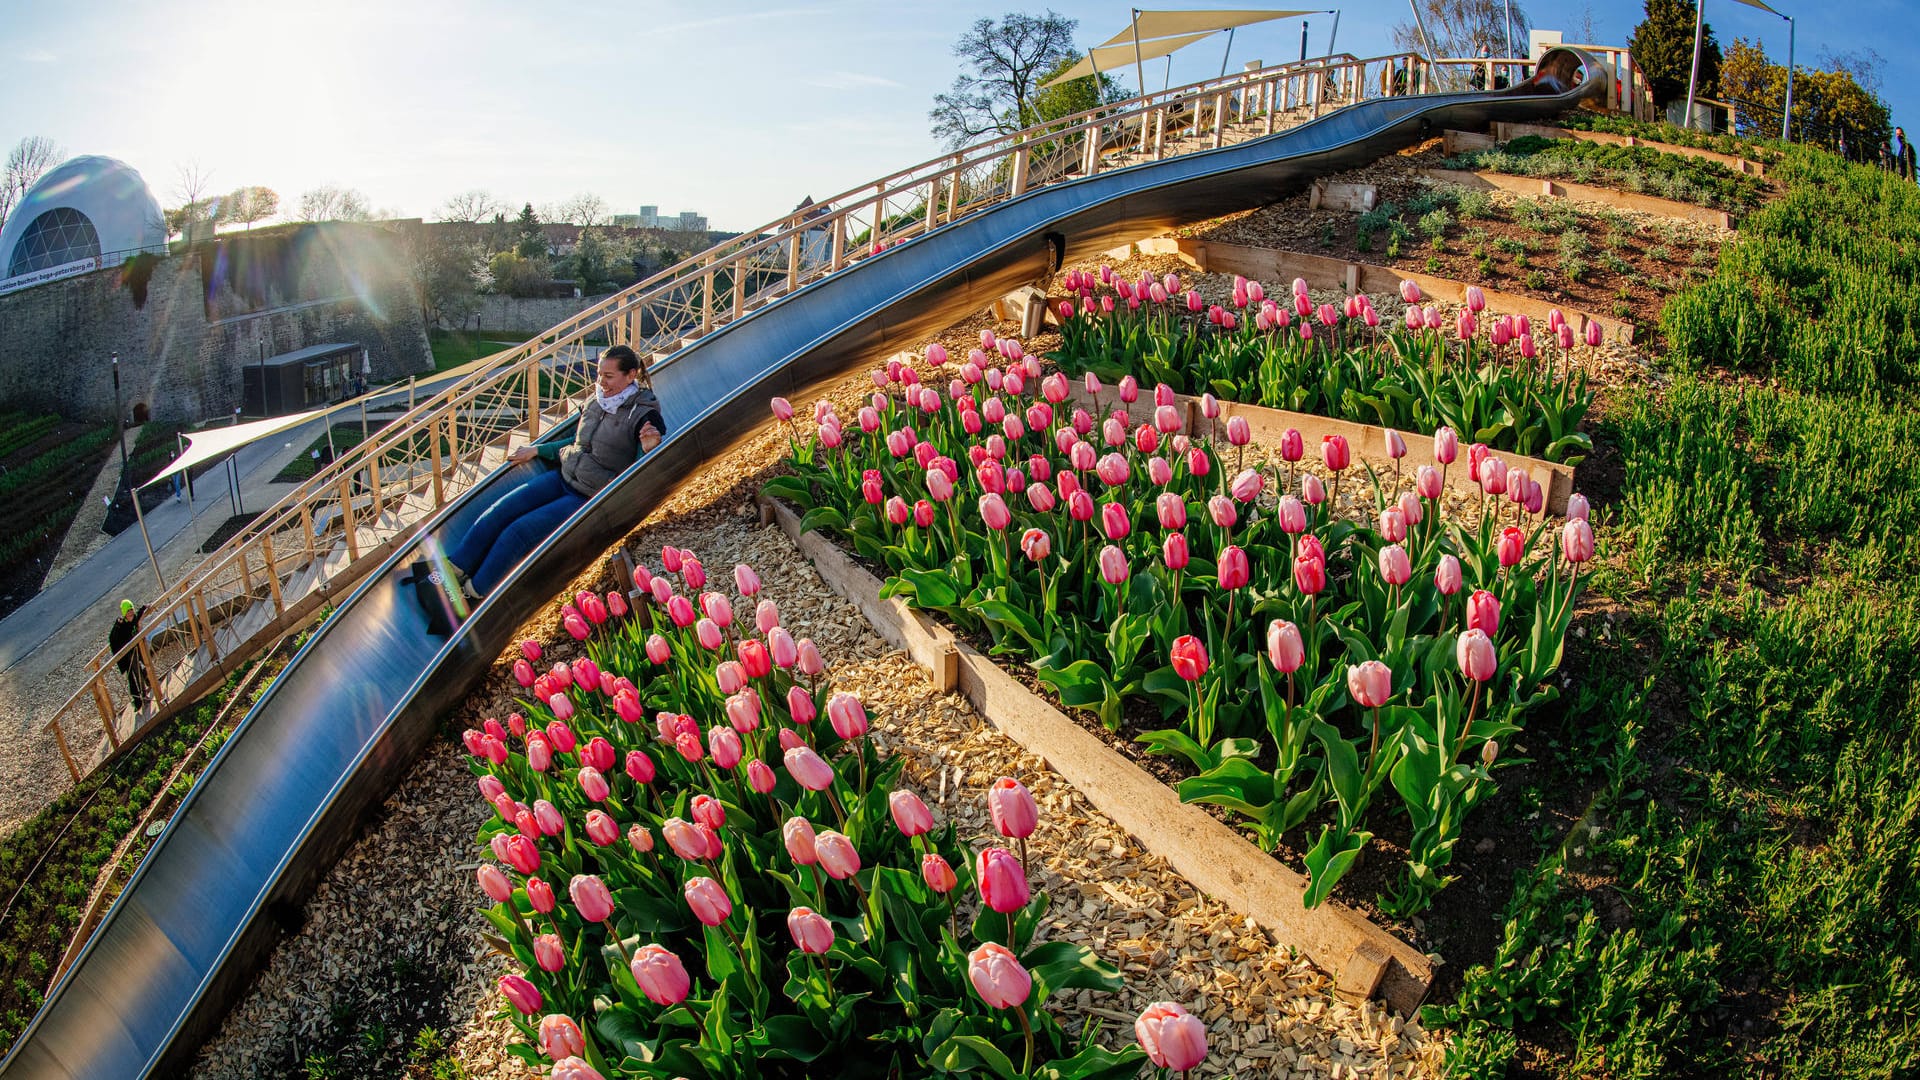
(533, 400)
(439, 491)
(839, 252)
(198, 602)
(346, 520)
(1090, 163)
(953, 191)
(60, 735)
(1018, 185)
(706, 302)
(453, 436)
(1159, 132)
(273, 574)
(102, 700)
(146, 667)
(1219, 119)
(793, 268)
(246, 574)
(879, 216)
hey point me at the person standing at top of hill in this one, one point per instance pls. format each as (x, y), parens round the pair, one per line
(1903, 158)
(622, 422)
(124, 630)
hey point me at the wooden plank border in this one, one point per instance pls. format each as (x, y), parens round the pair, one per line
(1530, 185)
(1363, 959)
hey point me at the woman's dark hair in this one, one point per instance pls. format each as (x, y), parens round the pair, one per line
(622, 355)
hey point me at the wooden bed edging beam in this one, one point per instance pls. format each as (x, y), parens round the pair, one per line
(1274, 266)
(1533, 185)
(1363, 959)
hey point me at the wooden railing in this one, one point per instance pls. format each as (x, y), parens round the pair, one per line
(318, 540)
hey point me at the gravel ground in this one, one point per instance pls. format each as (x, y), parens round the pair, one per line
(406, 888)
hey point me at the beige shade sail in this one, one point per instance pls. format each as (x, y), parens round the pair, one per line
(1110, 58)
(1758, 4)
(1159, 24)
(214, 442)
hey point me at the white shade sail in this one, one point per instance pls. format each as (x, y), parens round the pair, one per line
(1158, 24)
(1110, 58)
(204, 446)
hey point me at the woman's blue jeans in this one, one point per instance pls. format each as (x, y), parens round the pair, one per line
(521, 516)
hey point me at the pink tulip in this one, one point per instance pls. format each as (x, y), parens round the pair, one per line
(1446, 446)
(759, 777)
(1395, 566)
(1012, 808)
(1427, 482)
(994, 512)
(1475, 653)
(521, 994)
(1410, 292)
(1309, 573)
(593, 784)
(548, 954)
(1002, 880)
(1393, 525)
(1334, 452)
(847, 715)
(1292, 515)
(782, 408)
(1166, 419)
(548, 817)
(1476, 300)
(490, 788)
(997, 976)
(743, 711)
(708, 901)
(708, 811)
(1113, 565)
(1246, 486)
(1577, 507)
(1233, 568)
(540, 895)
(660, 975)
(573, 1068)
(1370, 683)
(495, 884)
(1593, 334)
(1285, 649)
(1576, 540)
(1159, 473)
(1477, 455)
(811, 933)
(601, 829)
(1172, 1037)
(523, 673)
(539, 752)
(808, 769)
(798, 835)
(938, 874)
(1189, 657)
(1171, 510)
(910, 814)
(680, 610)
(754, 659)
(1510, 545)
(1483, 612)
(800, 705)
(1173, 551)
(1446, 576)
(1239, 433)
(591, 897)
(811, 662)
(1034, 543)
(730, 676)
(1114, 522)
(1129, 389)
(577, 627)
(640, 838)
(723, 743)
(685, 839)
(1493, 476)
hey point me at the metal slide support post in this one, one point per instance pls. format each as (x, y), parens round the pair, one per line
(1425, 41)
(1693, 78)
(1139, 70)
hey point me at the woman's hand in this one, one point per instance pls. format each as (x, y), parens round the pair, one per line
(649, 437)
(522, 455)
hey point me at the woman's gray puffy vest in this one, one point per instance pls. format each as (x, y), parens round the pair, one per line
(605, 444)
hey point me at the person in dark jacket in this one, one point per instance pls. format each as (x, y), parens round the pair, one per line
(621, 423)
(124, 630)
(1903, 158)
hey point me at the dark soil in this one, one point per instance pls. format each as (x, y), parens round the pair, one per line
(44, 511)
(1630, 267)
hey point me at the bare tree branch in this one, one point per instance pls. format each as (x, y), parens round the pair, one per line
(27, 162)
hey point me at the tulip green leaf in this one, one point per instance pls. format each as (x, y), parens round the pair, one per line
(1329, 861)
(823, 518)
(1066, 965)
(1171, 741)
(790, 1036)
(971, 1053)
(931, 589)
(1094, 1062)
(793, 489)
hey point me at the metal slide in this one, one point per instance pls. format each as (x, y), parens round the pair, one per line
(342, 724)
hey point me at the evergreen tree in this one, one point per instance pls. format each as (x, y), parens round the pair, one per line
(532, 243)
(1663, 47)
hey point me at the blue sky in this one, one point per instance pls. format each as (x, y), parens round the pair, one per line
(736, 111)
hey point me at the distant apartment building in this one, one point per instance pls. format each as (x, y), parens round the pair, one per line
(651, 218)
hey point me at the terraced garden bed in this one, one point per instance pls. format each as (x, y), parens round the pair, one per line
(47, 465)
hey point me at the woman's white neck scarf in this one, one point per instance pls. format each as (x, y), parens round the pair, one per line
(609, 404)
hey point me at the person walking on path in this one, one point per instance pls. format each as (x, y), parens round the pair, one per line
(621, 423)
(1903, 157)
(124, 630)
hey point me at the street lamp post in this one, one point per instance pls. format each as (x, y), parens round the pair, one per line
(119, 418)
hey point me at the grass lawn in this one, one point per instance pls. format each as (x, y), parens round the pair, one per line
(451, 348)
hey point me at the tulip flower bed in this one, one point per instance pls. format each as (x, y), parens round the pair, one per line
(753, 894)
(1309, 660)
(1486, 377)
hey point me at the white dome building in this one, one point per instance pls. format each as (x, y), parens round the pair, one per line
(86, 214)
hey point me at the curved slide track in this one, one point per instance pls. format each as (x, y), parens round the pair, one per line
(344, 721)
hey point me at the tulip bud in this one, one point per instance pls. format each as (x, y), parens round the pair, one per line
(1285, 649)
(521, 994)
(1446, 577)
(1475, 654)
(1189, 657)
(1002, 880)
(548, 953)
(660, 975)
(1370, 683)
(910, 814)
(1172, 1037)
